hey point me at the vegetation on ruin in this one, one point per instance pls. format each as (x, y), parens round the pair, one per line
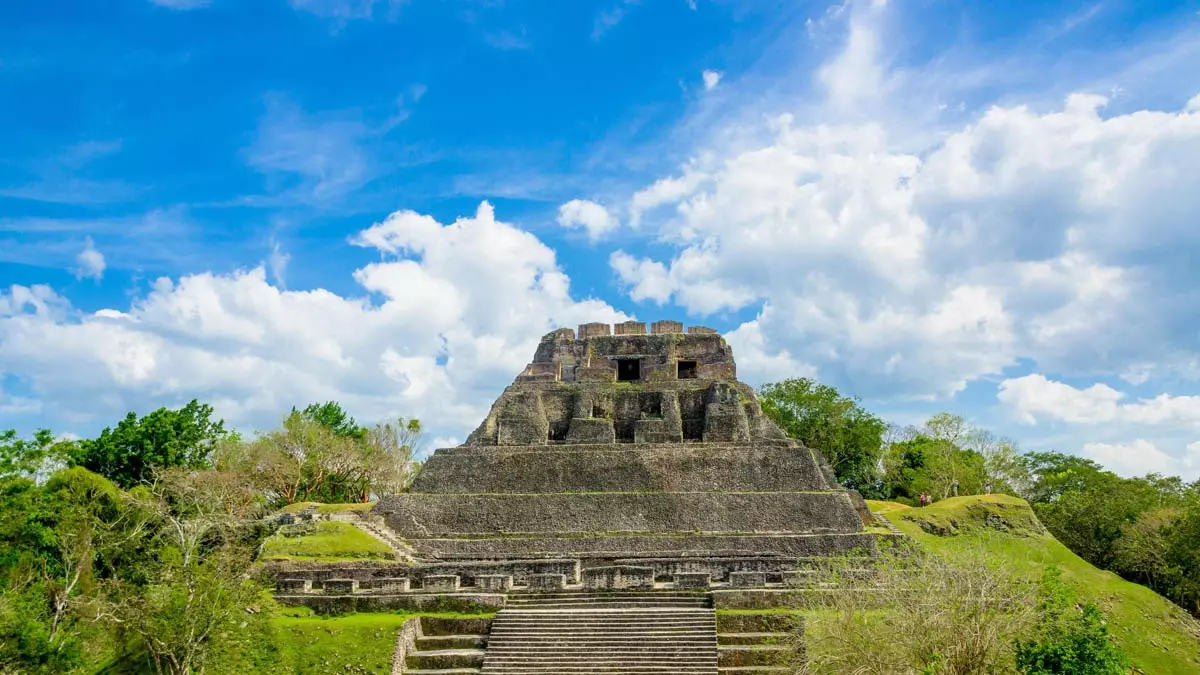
(328, 541)
(133, 552)
(1146, 529)
(991, 532)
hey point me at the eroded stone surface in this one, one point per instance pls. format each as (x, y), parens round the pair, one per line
(620, 443)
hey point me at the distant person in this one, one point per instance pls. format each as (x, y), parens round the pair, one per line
(987, 488)
(955, 487)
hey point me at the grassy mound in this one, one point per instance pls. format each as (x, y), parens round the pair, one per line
(324, 541)
(1161, 638)
(957, 515)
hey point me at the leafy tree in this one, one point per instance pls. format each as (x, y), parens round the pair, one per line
(32, 458)
(129, 453)
(1052, 474)
(930, 465)
(1068, 641)
(850, 437)
(332, 416)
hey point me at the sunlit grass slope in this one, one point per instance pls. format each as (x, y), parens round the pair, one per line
(1161, 638)
(327, 541)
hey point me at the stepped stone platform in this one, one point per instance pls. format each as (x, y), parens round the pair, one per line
(618, 444)
(623, 484)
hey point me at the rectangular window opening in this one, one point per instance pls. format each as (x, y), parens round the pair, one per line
(687, 370)
(629, 370)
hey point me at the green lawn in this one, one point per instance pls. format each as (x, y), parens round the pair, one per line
(329, 542)
(352, 643)
(1161, 638)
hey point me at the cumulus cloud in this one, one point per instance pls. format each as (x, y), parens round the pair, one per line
(594, 218)
(1052, 236)
(90, 262)
(1140, 457)
(447, 317)
(711, 79)
(1034, 397)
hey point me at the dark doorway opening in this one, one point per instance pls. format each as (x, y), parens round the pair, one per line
(629, 370)
(687, 370)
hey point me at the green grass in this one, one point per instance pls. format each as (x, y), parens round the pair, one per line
(328, 508)
(354, 643)
(1160, 637)
(329, 542)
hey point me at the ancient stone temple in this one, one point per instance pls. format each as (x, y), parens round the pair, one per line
(624, 487)
(622, 447)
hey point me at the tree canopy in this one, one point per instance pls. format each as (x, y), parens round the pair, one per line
(129, 453)
(819, 416)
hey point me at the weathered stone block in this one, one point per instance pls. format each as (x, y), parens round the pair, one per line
(440, 583)
(692, 579)
(392, 585)
(591, 430)
(493, 582)
(748, 579)
(340, 586)
(630, 328)
(598, 373)
(618, 577)
(665, 327)
(588, 330)
(725, 417)
(542, 369)
(289, 586)
(547, 582)
(701, 330)
(799, 578)
(657, 431)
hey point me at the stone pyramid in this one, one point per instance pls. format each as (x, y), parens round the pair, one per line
(617, 447)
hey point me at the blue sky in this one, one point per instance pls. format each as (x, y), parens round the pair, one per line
(981, 208)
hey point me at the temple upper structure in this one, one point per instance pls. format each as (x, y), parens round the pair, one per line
(622, 385)
(617, 444)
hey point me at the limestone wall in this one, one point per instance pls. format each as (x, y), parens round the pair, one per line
(624, 468)
(417, 515)
(622, 547)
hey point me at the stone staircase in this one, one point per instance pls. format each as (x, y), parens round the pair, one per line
(611, 633)
(447, 646)
(376, 527)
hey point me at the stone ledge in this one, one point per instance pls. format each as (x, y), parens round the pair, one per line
(623, 468)
(628, 548)
(416, 516)
(447, 602)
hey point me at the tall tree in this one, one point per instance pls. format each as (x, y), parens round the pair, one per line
(34, 458)
(164, 438)
(849, 436)
(334, 417)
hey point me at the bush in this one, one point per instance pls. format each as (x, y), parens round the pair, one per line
(1069, 639)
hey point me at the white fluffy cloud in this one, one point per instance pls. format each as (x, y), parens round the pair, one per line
(594, 218)
(452, 313)
(90, 261)
(1023, 235)
(711, 79)
(1141, 457)
(1034, 397)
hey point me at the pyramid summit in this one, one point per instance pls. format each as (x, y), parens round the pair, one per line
(618, 446)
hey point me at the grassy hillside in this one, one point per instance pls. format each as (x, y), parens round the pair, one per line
(323, 541)
(1161, 638)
